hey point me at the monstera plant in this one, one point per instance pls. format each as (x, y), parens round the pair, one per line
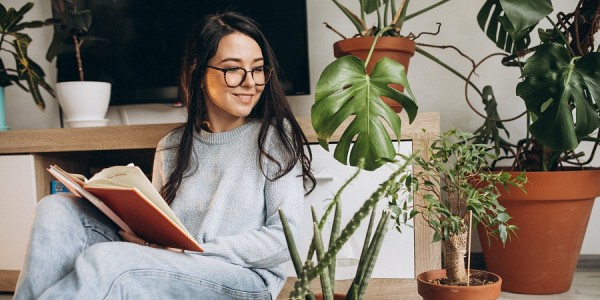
(561, 78)
(560, 87)
(345, 90)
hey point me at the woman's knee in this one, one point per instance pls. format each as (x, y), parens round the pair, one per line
(56, 207)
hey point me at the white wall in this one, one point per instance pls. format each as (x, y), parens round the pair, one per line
(435, 88)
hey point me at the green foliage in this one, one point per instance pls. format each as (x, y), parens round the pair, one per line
(554, 85)
(456, 180)
(390, 16)
(11, 25)
(326, 256)
(345, 90)
(71, 31)
(561, 78)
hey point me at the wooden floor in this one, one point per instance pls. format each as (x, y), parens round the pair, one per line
(586, 286)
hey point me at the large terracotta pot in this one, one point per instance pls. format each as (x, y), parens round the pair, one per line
(396, 48)
(432, 291)
(552, 219)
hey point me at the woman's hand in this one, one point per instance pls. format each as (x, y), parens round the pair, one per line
(132, 238)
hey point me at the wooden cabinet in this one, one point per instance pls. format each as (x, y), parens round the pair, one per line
(78, 149)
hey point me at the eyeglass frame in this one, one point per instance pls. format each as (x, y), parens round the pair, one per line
(225, 70)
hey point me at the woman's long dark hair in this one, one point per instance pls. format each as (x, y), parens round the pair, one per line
(272, 108)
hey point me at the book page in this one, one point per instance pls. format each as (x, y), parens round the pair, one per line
(74, 184)
(131, 176)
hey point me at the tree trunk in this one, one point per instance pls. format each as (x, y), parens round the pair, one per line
(454, 251)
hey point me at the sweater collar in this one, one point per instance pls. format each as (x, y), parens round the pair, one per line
(226, 136)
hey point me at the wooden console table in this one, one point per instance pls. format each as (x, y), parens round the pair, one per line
(78, 149)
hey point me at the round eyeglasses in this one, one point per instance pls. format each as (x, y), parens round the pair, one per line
(235, 76)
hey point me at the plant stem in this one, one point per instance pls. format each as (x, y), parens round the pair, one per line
(77, 46)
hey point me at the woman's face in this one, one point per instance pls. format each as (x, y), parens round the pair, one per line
(228, 106)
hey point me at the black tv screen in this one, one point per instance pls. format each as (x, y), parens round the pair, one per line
(141, 41)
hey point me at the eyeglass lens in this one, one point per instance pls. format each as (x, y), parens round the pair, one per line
(234, 77)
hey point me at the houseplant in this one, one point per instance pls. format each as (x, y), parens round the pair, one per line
(390, 16)
(346, 89)
(325, 264)
(85, 103)
(459, 193)
(560, 88)
(25, 69)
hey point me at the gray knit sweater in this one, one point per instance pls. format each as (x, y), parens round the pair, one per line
(228, 204)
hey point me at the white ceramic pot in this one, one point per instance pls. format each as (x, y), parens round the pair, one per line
(84, 101)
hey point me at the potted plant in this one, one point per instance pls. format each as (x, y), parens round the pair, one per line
(390, 16)
(459, 192)
(345, 89)
(25, 69)
(560, 87)
(324, 264)
(84, 103)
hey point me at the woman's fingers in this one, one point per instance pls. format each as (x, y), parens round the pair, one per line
(132, 238)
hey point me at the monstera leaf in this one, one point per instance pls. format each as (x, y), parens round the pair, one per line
(508, 22)
(553, 86)
(344, 90)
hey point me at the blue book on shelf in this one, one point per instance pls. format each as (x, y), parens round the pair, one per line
(58, 187)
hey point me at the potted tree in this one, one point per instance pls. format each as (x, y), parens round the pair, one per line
(84, 103)
(324, 265)
(560, 87)
(459, 193)
(25, 69)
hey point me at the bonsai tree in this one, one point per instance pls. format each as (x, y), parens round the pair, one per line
(15, 42)
(560, 80)
(324, 266)
(457, 187)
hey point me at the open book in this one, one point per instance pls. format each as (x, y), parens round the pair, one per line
(126, 196)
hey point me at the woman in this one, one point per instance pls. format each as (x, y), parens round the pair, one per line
(225, 173)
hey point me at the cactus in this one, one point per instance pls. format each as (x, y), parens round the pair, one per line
(325, 267)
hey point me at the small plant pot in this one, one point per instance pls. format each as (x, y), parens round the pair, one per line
(84, 101)
(433, 291)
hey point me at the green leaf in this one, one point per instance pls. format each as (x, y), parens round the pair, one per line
(526, 13)
(356, 20)
(503, 217)
(493, 20)
(344, 90)
(371, 5)
(552, 83)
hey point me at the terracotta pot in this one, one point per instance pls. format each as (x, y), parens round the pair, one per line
(396, 48)
(552, 219)
(432, 291)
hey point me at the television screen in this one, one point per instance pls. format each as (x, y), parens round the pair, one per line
(138, 44)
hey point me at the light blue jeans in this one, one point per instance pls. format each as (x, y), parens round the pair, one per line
(75, 252)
